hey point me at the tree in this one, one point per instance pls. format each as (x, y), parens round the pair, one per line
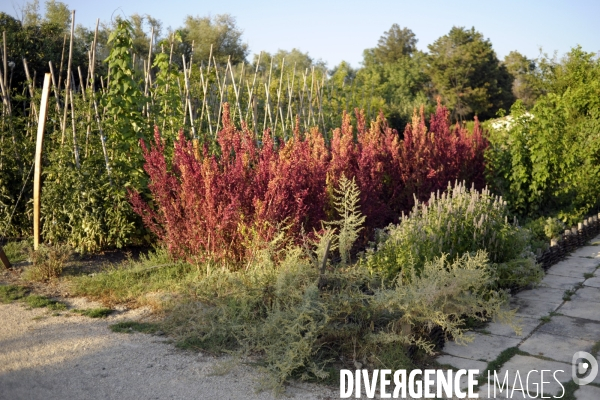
(523, 71)
(468, 76)
(393, 75)
(58, 13)
(31, 13)
(221, 32)
(38, 44)
(395, 44)
(289, 59)
(142, 26)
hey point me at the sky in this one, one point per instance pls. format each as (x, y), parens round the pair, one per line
(336, 30)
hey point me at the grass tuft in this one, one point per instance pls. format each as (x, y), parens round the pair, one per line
(94, 312)
(133, 281)
(17, 252)
(134, 326)
(567, 295)
(10, 293)
(498, 363)
(36, 301)
(570, 388)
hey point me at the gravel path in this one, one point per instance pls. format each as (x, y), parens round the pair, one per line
(67, 356)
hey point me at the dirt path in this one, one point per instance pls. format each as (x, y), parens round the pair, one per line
(67, 356)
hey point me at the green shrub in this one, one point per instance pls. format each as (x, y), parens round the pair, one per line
(456, 222)
(307, 315)
(545, 160)
(553, 228)
(48, 262)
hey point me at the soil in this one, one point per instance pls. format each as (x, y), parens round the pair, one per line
(49, 355)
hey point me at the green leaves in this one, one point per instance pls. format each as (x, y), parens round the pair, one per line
(467, 74)
(547, 162)
(123, 100)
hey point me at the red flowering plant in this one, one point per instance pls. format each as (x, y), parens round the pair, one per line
(213, 206)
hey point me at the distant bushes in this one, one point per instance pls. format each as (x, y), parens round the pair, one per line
(213, 205)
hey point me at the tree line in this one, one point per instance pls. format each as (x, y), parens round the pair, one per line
(460, 67)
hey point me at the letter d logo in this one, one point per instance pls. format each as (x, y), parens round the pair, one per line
(581, 367)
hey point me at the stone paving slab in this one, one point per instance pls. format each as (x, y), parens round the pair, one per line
(544, 294)
(587, 393)
(593, 282)
(572, 327)
(572, 269)
(560, 282)
(527, 325)
(534, 308)
(588, 251)
(483, 347)
(587, 293)
(558, 348)
(485, 393)
(581, 308)
(525, 364)
(579, 261)
(462, 363)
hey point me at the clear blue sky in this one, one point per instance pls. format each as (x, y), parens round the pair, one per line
(340, 30)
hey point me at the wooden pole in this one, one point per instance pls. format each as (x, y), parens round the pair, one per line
(4, 59)
(38, 161)
(4, 259)
(68, 80)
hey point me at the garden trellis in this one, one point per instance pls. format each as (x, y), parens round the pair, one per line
(96, 115)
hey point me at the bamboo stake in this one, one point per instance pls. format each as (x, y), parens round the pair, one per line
(277, 109)
(5, 98)
(171, 53)
(320, 101)
(251, 100)
(240, 90)
(187, 98)
(81, 83)
(5, 59)
(54, 88)
(310, 97)
(222, 90)
(75, 147)
(205, 92)
(102, 138)
(147, 80)
(68, 82)
(236, 92)
(62, 58)
(267, 103)
(302, 94)
(93, 63)
(38, 161)
(290, 97)
(29, 85)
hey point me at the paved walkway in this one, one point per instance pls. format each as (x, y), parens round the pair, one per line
(559, 318)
